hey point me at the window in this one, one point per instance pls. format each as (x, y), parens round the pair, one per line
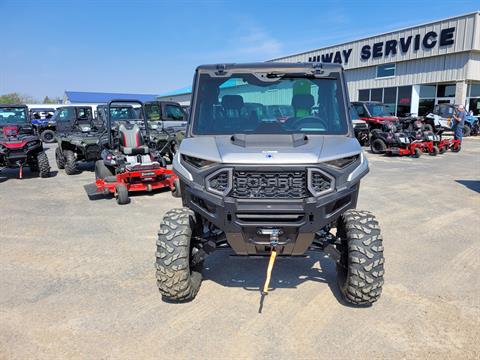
(386, 70)
(427, 91)
(174, 112)
(363, 95)
(360, 110)
(474, 90)
(446, 90)
(66, 114)
(377, 95)
(404, 100)
(425, 106)
(240, 104)
(390, 99)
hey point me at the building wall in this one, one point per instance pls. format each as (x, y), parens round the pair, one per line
(466, 38)
(438, 69)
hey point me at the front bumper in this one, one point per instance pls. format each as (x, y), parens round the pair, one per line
(297, 219)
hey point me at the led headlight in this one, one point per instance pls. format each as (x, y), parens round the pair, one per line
(196, 162)
(32, 144)
(343, 162)
(360, 170)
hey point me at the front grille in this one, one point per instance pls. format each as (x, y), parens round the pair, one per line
(269, 185)
(92, 152)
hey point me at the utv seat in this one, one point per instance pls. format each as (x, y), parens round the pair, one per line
(302, 105)
(132, 141)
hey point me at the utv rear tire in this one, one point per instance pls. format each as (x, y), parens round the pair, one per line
(48, 136)
(101, 170)
(178, 279)
(121, 194)
(59, 158)
(43, 165)
(360, 269)
(71, 167)
(467, 130)
(378, 146)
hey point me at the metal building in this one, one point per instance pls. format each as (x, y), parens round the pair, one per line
(411, 69)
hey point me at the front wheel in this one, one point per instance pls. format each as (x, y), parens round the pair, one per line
(59, 158)
(71, 167)
(416, 153)
(178, 277)
(435, 151)
(378, 146)
(360, 268)
(43, 165)
(121, 194)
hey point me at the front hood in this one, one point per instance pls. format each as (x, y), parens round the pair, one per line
(222, 149)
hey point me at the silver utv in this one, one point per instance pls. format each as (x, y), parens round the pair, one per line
(261, 183)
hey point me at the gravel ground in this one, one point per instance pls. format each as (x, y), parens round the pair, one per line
(77, 276)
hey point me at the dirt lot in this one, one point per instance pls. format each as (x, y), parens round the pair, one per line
(77, 277)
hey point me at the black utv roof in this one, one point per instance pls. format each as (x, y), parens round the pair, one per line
(272, 66)
(18, 106)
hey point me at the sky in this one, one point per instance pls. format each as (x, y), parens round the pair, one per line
(153, 47)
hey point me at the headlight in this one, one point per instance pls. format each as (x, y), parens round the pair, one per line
(32, 144)
(343, 162)
(360, 170)
(196, 162)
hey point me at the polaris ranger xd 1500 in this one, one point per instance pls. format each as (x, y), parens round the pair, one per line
(265, 187)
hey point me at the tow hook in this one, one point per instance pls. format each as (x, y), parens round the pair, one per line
(274, 234)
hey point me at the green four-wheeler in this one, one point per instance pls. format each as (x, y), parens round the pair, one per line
(79, 138)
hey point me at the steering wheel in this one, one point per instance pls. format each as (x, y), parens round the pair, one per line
(310, 120)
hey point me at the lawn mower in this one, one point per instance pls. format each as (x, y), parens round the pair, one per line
(390, 141)
(127, 162)
(19, 146)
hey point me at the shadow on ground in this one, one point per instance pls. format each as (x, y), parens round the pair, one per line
(249, 273)
(13, 174)
(473, 185)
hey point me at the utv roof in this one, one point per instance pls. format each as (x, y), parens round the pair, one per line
(14, 106)
(272, 66)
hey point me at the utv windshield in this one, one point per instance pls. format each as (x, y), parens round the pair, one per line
(14, 116)
(119, 113)
(378, 110)
(250, 104)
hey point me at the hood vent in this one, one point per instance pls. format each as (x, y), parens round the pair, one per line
(277, 140)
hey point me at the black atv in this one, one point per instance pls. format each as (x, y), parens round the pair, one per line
(79, 138)
(19, 146)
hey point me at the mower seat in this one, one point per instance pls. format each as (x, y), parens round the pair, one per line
(132, 141)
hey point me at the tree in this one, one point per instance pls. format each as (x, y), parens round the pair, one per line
(16, 98)
(12, 98)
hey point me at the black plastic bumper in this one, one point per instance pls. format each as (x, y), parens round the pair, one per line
(243, 220)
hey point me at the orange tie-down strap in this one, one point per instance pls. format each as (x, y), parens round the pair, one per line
(273, 255)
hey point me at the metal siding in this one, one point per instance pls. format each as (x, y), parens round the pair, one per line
(466, 36)
(439, 69)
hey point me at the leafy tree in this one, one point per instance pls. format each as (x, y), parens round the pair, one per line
(16, 98)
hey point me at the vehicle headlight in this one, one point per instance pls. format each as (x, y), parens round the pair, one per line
(343, 162)
(360, 170)
(197, 162)
(32, 144)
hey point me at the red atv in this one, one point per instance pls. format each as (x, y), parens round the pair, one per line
(375, 114)
(19, 146)
(129, 163)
